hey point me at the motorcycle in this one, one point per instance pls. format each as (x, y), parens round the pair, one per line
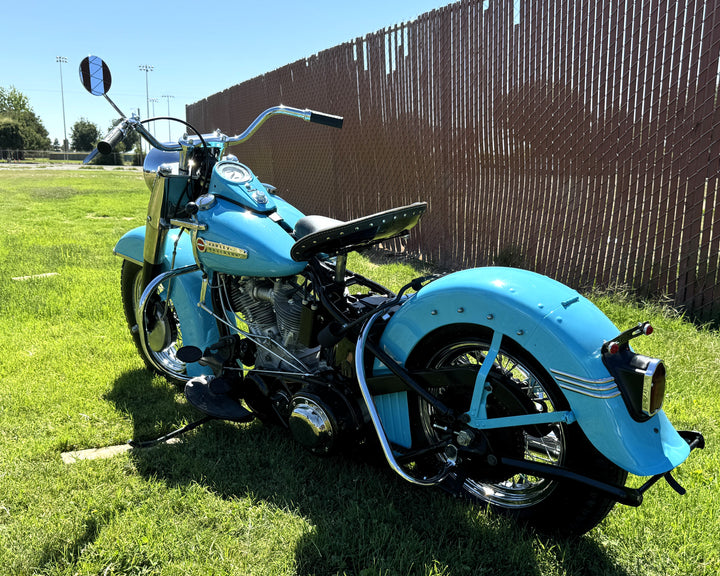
(499, 385)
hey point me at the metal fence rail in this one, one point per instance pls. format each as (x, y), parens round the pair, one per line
(577, 139)
(8, 155)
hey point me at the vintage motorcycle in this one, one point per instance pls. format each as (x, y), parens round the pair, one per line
(499, 385)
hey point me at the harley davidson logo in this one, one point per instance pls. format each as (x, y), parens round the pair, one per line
(222, 249)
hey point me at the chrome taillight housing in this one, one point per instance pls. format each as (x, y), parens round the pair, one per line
(653, 387)
(641, 379)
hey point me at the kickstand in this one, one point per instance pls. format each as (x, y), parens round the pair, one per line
(173, 434)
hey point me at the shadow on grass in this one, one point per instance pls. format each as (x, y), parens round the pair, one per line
(366, 520)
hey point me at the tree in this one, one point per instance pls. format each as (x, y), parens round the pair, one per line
(84, 135)
(15, 105)
(12, 100)
(10, 137)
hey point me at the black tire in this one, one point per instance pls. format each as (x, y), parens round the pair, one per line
(559, 507)
(164, 360)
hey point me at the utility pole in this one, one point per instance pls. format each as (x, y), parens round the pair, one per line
(63, 60)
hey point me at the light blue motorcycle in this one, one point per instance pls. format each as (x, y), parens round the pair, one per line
(499, 385)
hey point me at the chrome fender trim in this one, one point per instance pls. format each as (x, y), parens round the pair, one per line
(604, 388)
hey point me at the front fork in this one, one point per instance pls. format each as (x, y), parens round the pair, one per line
(155, 232)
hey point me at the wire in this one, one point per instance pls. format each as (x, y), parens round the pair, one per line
(181, 122)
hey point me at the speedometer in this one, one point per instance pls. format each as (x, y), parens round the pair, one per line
(234, 172)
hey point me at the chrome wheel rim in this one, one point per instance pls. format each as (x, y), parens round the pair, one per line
(520, 490)
(166, 360)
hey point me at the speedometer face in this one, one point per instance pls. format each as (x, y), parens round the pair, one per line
(234, 172)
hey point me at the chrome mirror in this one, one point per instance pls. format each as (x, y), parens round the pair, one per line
(95, 75)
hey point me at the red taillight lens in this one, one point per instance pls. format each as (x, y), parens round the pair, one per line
(653, 387)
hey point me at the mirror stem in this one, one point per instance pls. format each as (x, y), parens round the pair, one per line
(122, 116)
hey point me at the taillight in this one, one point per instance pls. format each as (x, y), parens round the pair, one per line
(641, 381)
(653, 387)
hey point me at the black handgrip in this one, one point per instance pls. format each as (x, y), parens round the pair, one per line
(326, 119)
(106, 145)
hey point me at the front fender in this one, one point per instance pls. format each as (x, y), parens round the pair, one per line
(564, 332)
(131, 246)
(198, 327)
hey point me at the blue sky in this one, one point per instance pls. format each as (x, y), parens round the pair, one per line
(196, 48)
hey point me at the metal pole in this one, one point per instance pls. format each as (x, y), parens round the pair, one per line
(147, 68)
(168, 96)
(142, 160)
(63, 60)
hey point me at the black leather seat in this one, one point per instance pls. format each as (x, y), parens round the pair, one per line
(319, 234)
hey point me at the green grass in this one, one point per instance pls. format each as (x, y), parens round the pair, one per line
(244, 499)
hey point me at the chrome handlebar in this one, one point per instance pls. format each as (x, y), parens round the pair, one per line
(217, 136)
(134, 123)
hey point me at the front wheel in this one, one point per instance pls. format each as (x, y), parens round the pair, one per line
(159, 344)
(549, 505)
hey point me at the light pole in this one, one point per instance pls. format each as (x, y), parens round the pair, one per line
(63, 60)
(168, 96)
(146, 68)
(154, 101)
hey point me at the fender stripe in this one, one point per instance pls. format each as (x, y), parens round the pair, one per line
(604, 388)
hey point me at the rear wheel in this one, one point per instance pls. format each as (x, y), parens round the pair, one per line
(520, 386)
(163, 336)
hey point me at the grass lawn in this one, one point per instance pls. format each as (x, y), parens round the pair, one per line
(244, 499)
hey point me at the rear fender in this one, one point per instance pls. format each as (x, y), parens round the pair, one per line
(562, 330)
(198, 327)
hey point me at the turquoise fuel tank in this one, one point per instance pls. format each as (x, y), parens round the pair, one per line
(242, 235)
(242, 242)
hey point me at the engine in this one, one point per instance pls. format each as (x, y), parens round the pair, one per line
(273, 311)
(321, 417)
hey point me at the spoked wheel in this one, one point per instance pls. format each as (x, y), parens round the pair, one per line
(163, 336)
(520, 385)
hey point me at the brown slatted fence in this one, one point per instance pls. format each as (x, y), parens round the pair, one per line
(577, 139)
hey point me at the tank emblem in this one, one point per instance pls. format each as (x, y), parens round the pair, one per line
(210, 247)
